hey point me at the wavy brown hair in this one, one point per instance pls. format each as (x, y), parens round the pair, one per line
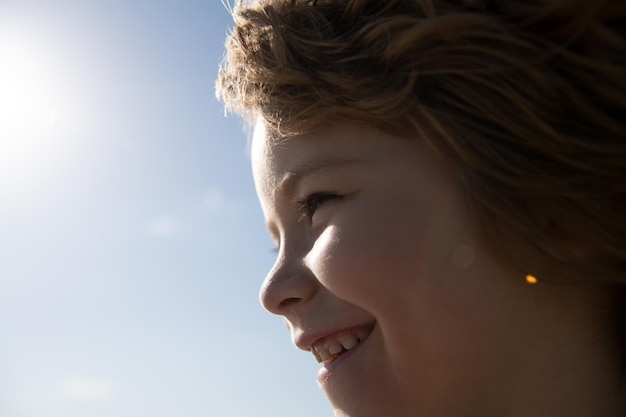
(525, 99)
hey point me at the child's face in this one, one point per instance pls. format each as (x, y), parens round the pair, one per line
(377, 253)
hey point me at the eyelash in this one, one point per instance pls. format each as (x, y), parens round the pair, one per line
(311, 203)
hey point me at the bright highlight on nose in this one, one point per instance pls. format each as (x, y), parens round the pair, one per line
(531, 279)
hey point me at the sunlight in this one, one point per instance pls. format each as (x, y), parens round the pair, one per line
(31, 91)
(26, 102)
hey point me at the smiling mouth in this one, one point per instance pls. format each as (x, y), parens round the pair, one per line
(329, 348)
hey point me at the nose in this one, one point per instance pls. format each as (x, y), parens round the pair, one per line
(288, 284)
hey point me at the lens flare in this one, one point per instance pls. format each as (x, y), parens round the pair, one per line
(530, 279)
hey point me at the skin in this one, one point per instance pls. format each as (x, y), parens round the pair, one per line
(456, 331)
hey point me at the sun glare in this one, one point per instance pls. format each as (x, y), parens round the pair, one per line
(26, 105)
(31, 92)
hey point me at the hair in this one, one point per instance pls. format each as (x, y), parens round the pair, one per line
(525, 99)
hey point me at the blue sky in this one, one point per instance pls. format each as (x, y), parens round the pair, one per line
(131, 243)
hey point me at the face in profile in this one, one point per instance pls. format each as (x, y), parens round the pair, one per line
(383, 278)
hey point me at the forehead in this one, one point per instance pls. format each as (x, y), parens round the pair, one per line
(332, 148)
(324, 147)
(263, 158)
(276, 162)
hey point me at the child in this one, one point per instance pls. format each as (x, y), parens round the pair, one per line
(445, 181)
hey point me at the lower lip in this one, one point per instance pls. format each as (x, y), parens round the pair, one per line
(326, 371)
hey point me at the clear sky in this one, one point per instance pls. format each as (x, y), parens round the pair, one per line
(132, 246)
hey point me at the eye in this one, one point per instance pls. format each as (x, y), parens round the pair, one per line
(310, 204)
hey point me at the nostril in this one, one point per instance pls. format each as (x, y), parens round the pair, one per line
(288, 302)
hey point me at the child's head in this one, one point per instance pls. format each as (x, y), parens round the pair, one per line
(518, 108)
(526, 100)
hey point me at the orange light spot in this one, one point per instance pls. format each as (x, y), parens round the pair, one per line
(531, 279)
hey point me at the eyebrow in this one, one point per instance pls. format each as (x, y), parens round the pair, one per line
(291, 178)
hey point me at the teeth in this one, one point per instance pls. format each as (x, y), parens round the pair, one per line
(330, 348)
(349, 342)
(334, 347)
(323, 353)
(362, 335)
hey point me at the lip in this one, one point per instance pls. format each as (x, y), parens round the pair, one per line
(305, 341)
(325, 372)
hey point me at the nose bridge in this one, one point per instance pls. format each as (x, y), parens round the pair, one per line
(287, 284)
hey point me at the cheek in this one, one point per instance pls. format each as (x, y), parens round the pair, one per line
(394, 256)
(370, 264)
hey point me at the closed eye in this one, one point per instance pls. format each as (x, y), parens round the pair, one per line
(310, 204)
